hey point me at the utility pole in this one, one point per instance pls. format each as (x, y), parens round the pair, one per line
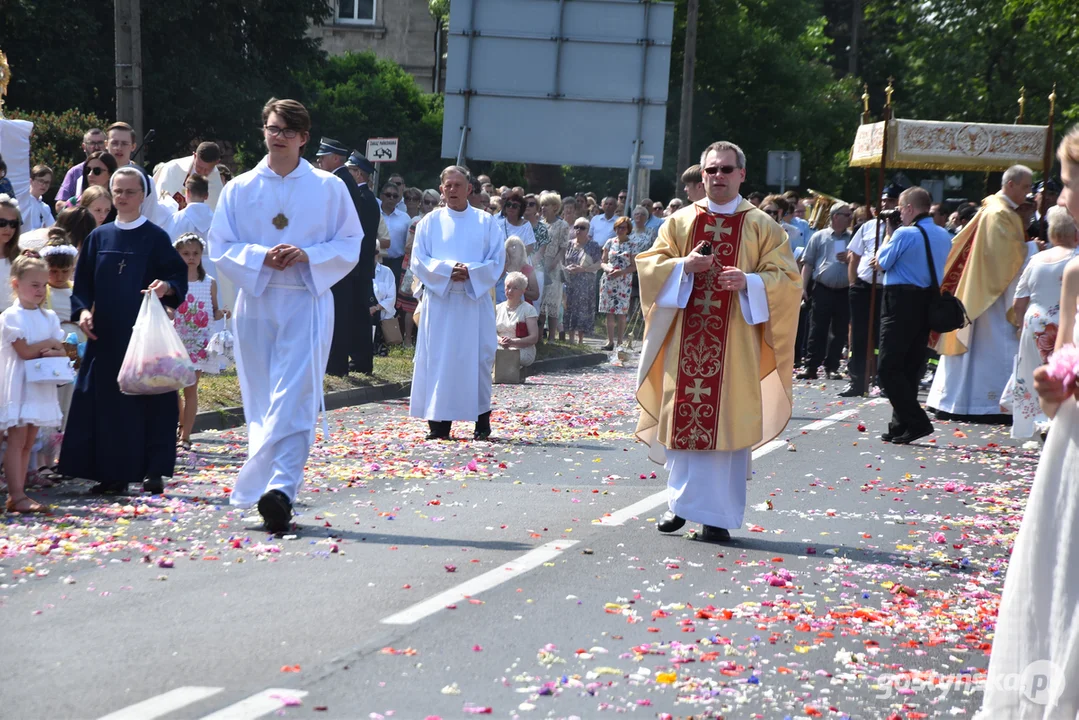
(685, 121)
(855, 33)
(128, 21)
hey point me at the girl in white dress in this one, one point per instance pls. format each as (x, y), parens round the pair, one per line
(59, 255)
(192, 321)
(1034, 664)
(28, 332)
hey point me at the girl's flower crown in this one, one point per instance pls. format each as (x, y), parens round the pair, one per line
(189, 237)
(58, 250)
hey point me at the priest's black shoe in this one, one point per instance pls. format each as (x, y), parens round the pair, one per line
(106, 489)
(911, 435)
(153, 485)
(440, 429)
(851, 391)
(483, 427)
(670, 522)
(807, 374)
(709, 533)
(276, 511)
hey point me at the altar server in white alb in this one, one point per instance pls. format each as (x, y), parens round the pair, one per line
(283, 233)
(458, 255)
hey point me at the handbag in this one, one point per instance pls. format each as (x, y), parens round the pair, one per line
(391, 332)
(946, 311)
(521, 329)
(50, 371)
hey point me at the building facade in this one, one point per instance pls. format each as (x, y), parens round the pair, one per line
(400, 30)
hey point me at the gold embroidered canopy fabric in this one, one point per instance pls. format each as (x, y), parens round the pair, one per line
(929, 145)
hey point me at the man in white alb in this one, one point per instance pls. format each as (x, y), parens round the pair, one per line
(284, 233)
(171, 177)
(458, 254)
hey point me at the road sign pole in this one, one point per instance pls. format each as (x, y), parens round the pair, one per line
(782, 173)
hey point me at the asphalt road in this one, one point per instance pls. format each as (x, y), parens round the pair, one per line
(524, 577)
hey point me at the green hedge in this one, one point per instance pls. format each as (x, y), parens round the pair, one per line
(57, 138)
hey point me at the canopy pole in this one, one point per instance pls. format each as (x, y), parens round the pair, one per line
(870, 357)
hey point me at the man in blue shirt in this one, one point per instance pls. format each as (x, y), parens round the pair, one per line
(904, 326)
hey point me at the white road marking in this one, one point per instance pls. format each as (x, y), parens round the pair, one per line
(163, 704)
(257, 705)
(470, 588)
(549, 551)
(618, 517)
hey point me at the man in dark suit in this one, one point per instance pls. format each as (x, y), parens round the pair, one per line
(361, 170)
(352, 321)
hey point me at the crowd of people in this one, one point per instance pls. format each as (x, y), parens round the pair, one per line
(740, 295)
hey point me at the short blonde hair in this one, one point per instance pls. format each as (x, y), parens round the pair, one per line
(1069, 146)
(549, 198)
(1061, 225)
(517, 280)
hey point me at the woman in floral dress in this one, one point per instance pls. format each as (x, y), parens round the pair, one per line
(1037, 301)
(616, 284)
(582, 262)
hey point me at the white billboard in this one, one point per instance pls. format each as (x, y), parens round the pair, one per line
(562, 82)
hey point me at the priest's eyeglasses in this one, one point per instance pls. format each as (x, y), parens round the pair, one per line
(725, 169)
(274, 131)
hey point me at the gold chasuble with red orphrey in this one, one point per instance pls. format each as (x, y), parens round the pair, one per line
(708, 380)
(986, 256)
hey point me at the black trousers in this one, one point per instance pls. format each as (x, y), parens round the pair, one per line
(830, 311)
(351, 326)
(904, 333)
(859, 328)
(801, 341)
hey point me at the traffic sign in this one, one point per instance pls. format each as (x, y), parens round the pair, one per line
(380, 150)
(784, 168)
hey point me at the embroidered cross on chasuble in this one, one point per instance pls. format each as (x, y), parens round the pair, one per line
(705, 326)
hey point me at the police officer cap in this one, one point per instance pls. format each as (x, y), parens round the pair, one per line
(359, 161)
(892, 192)
(1051, 185)
(329, 146)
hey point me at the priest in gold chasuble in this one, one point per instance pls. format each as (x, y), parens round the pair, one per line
(720, 290)
(983, 271)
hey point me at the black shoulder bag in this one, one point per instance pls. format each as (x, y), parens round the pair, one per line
(946, 311)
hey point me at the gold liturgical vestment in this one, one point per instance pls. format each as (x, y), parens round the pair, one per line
(985, 257)
(707, 379)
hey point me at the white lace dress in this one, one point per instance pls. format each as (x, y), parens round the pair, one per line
(1034, 664)
(1041, 283)
(21, 402)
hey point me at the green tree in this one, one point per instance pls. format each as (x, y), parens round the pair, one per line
(764, 81)
(968, 59)
(207, 67)
(357, 96)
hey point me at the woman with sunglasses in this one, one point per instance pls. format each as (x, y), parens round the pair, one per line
(429, 201)
(413, 198)
(582, 261)
(513, 222)
(97, 170)
(10, 223)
